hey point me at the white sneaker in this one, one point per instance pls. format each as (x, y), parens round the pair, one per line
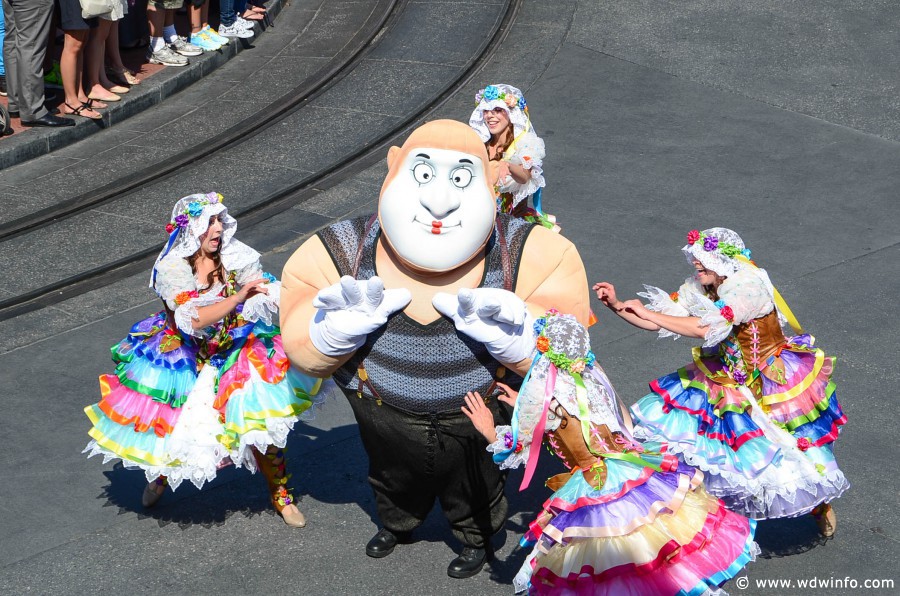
(184, 47)
(235, 30)
(246, 24)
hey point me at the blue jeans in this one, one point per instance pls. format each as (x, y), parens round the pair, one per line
(2, 35)
(229, 10)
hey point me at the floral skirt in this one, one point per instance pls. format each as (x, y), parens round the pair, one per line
(766, 457)
(161, 414)
(642, 532)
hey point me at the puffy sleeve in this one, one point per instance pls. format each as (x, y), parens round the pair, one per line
(747, 295)
(528, 153)
(742, 297)
(260, 307)
(176, 285)
(174, 278)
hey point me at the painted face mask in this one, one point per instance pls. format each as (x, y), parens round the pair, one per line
(437, 209)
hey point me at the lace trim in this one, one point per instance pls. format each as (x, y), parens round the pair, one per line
(263, 307)
(501, 445)
(186, 314)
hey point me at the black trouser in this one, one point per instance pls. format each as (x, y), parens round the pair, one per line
(415, 458)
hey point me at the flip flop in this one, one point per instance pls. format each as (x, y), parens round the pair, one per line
(78, 111)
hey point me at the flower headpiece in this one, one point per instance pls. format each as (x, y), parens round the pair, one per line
(511, 96)
(181, 217)
(718, 249)
(557, 356)
(503, 96)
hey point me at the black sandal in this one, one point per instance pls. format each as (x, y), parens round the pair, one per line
(77, 111)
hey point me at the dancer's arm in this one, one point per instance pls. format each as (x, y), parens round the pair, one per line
(689, 326)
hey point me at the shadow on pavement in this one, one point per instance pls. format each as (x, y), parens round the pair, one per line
(789, 536)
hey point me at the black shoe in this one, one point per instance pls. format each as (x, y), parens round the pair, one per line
(382, 544)
(49, 120)
(13, 114)
(468, 563)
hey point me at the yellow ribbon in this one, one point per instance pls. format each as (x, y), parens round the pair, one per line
(779, 301)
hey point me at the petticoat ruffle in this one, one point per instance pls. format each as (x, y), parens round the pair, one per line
(643, 532)
(752, 461)
(157, 414)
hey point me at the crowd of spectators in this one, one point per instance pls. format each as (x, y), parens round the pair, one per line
(90, 73)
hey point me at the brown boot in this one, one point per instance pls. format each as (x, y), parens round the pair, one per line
(826, 519)
(272, 465)
(153, 492)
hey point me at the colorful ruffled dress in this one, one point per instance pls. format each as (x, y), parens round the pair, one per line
(183, 402)
(755, 410)
(622, 521)
(527, 151)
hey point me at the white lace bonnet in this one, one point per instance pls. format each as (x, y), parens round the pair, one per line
(721, 250)
(564, 344)
(190, 220)
(717, 249)
(500, 96)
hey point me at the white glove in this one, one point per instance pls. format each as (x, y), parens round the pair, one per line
(349, 311)
(497, 318)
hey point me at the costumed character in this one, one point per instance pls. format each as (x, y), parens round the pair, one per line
(623, 520)
(447, 313)
(755, 410)
(502, 121)
(204, 382)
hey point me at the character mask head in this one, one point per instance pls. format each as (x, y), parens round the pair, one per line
(437, 205)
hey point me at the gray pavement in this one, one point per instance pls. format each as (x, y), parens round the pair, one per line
(658, 119)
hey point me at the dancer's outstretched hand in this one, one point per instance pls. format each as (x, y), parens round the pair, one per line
(349, 311)
(606, 293)
(480, 415)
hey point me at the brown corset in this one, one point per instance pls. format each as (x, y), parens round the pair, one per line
(770, 339)
(567, 442)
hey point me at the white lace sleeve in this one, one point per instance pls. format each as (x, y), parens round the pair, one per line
(661, 302)
(529, 153)
(744, 293)
(709, 314)
(174, 276)
(503, 444)
(260, 307)
(186, 314)
(747, 295)
(264, 307)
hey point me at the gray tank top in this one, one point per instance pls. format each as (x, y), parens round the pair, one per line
(415, 367)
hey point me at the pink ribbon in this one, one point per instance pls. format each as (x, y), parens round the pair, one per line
(538, 436)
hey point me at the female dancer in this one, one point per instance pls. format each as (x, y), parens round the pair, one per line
(755, 410)
(205, 380)
(501, 120)
(623, 520)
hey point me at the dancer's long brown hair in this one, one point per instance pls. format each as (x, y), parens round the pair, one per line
(508, 135)
(217, 274)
